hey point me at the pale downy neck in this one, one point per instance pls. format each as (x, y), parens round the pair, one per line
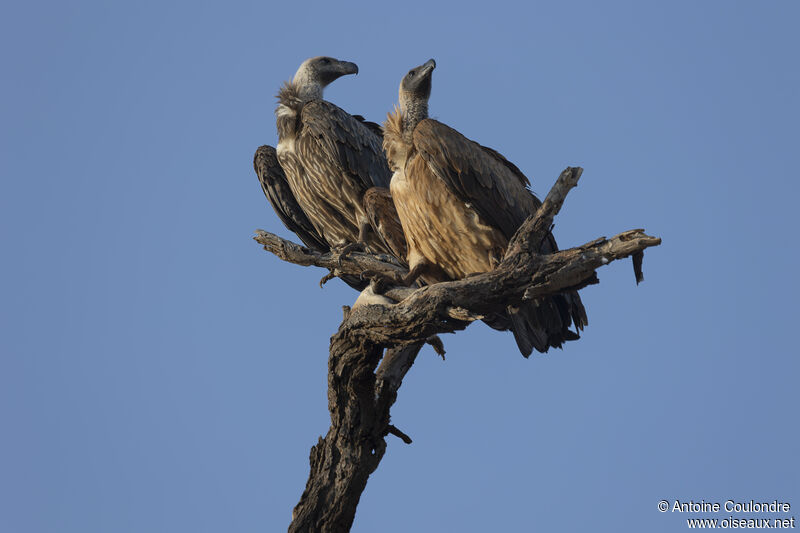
(307, 88)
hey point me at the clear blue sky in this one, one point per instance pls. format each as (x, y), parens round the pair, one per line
(161, 373)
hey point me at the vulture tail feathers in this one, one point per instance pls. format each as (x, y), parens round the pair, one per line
(544, 323)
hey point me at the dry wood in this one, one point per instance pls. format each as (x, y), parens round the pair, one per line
(361, 393)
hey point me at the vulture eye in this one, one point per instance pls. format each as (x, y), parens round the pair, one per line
(325, 61)
(411, 73)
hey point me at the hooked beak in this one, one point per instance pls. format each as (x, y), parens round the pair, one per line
(347, 67)
(428, 67)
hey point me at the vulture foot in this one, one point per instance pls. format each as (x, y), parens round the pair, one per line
(380, 282)
(326, 278)
(341, 252)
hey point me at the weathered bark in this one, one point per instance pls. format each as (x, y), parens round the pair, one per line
(359, 404)
(360, 397)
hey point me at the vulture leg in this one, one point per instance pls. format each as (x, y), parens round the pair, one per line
(345, 249)
(429, 272)
(364, 228)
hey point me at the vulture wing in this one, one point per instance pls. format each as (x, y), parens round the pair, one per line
(477, 175)
(498, 191)
(374, 127)
(329, 129)
(276, 189)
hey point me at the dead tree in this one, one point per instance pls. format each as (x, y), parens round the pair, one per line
(363, 380)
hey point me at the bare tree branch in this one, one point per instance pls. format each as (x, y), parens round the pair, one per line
(353, 263)
(429, 310)
(534, 230)
(361, 393)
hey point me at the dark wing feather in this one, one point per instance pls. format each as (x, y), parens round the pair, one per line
(374, 127)
(508, 164)
(276, 189)
(359, 148)
(477, 175)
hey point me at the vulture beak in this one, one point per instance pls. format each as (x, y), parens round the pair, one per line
(428, 67)
(346, 67)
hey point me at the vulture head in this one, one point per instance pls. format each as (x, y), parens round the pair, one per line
(415, 90)
(316, 73)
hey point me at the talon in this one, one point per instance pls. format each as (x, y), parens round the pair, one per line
(326, 278)
(345, 250)
(380, 281)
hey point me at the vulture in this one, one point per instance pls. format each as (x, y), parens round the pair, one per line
(330, 157)
(459, 204)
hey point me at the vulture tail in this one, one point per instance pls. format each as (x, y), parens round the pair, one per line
(544, 323)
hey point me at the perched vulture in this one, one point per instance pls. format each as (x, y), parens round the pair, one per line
(459, 204)
(330, 157)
